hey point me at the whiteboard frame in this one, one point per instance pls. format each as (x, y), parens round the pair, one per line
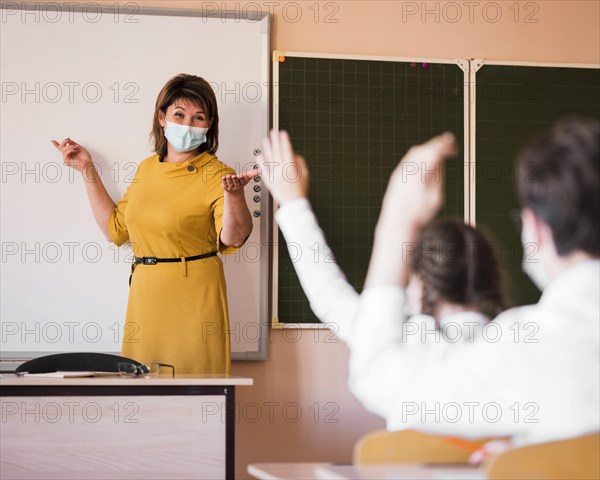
(10, 360)
(463, 64)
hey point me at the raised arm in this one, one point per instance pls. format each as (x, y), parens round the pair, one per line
(333, 300)
(414, 195)
(77, 157)
(408, 383)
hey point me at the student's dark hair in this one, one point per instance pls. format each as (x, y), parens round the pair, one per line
(559, 180)
(457, 264)
(196, 90)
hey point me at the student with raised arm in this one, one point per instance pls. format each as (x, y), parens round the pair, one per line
(454, 271)
(536, 377)
(533, 375)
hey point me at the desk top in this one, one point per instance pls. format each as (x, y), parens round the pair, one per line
(9, 379)
(324, 471)
(281, 471)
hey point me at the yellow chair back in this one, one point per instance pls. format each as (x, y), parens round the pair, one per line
(409, 446)
(577, 458)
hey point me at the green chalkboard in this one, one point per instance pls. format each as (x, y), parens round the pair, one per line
(513, 103)
(353, 120)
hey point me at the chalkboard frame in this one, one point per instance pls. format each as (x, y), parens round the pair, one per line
(475, 65)
(511, 282)
(463, 64)
(470, 68)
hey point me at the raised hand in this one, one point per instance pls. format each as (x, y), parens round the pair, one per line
(77, 157)
(416, 187)
(284, 173)
(74, 155)
(414, 196)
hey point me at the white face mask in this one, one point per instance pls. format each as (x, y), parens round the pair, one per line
(183, 138)
(532, 264)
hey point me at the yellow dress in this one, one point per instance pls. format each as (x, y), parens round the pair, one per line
(176, 312)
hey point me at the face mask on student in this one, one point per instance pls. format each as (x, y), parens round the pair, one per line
(184, 138)
(532, 263)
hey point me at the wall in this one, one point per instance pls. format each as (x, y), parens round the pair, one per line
(313, 416)
(308, 374)
(543, 30)
(566, 31)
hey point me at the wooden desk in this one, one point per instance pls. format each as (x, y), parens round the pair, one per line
(118, 428)
(324, 471)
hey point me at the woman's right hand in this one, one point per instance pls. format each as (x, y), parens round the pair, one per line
(74, 155)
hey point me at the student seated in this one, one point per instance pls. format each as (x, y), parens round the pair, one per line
(535, 376)
(454, 281)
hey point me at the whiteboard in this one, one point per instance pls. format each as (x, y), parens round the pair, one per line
(93, 74)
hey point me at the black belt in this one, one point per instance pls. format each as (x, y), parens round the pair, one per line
(154, 260)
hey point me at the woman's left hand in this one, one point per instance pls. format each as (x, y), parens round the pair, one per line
(236, 183)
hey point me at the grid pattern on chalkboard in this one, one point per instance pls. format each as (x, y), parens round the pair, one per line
(514, 103)
(353, 120)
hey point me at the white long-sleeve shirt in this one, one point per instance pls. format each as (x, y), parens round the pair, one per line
(335, 302)
(532, 373)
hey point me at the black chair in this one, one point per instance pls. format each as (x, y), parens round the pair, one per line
(75, 362)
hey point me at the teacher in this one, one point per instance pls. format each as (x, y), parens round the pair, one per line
(182, 208)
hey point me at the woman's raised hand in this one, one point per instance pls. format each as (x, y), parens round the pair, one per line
(284, 173)
(74, 155)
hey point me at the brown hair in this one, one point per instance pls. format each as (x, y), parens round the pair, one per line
(457, 264)
(196, 90)
(559, 180)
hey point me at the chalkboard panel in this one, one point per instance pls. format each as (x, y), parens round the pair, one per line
(353, 120)
(513, 103)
